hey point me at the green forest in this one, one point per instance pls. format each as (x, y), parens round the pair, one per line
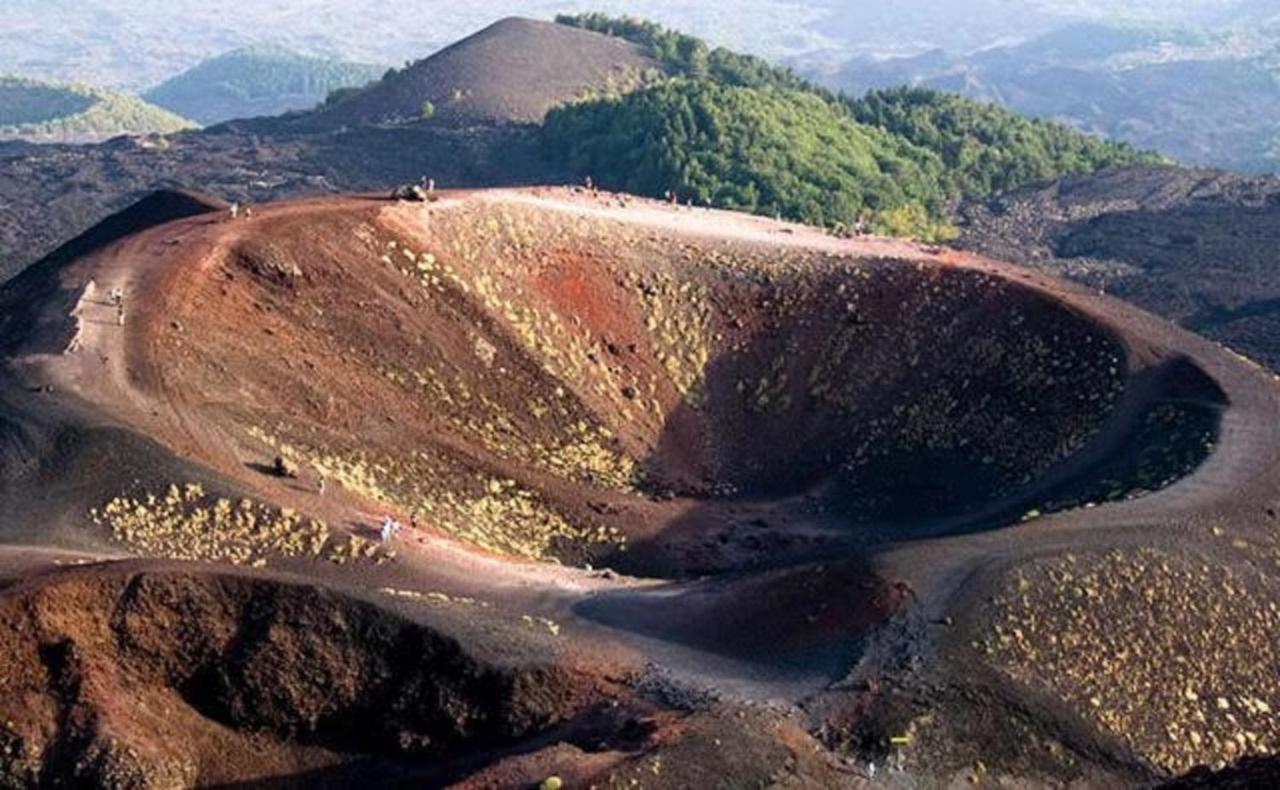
(258, 81)
(31, 108)
(765, 150)
(988, 149)
(744, 134)
(688, 56)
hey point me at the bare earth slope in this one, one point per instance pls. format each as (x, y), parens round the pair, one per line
(691, 498)
(513, 71)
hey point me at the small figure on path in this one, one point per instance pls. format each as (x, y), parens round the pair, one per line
(390, 529)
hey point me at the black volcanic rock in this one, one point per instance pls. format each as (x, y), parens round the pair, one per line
(1195, 246)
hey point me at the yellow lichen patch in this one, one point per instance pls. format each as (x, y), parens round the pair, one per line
(187, 524)
(768, 394)
(1175, 656)
(433, 597)
(492, 513)
(586, 456)
(589, 459)
(358, 549)
(679, 321)
(510, 520)
(551, 625)
(355, 474)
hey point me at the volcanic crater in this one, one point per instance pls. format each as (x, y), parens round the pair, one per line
(669, 431)
(574, 389)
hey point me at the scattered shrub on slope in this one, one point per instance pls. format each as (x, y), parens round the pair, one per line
(687, 56)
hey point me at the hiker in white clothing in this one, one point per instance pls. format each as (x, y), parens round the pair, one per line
(390, 528)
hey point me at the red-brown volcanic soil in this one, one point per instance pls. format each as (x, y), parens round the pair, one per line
(690, 498)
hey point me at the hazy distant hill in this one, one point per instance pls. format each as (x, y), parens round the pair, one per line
(512, 71)
(43, 111)
(257, 81)
(133, 45)
(1201, 98)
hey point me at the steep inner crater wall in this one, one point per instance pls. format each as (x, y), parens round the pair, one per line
(551, 386)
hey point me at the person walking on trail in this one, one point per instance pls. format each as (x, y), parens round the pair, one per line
(234, 211)
(321, 485)
(390, 529)
(117, 300)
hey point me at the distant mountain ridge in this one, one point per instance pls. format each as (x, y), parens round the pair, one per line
(1205, 99)
(710, 124)
(49, 112)
(740, 132)
(257, 81)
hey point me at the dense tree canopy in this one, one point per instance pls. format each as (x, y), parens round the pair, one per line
(686, 56)
(986, 148)
(748, 135)
(257, 81)
(29, 108)
(755, 149)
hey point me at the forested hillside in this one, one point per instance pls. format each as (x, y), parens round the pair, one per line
(763, 150)
(740, 132)
(1201, 96)
(986, 148)
(257, 81)
(35, 110)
